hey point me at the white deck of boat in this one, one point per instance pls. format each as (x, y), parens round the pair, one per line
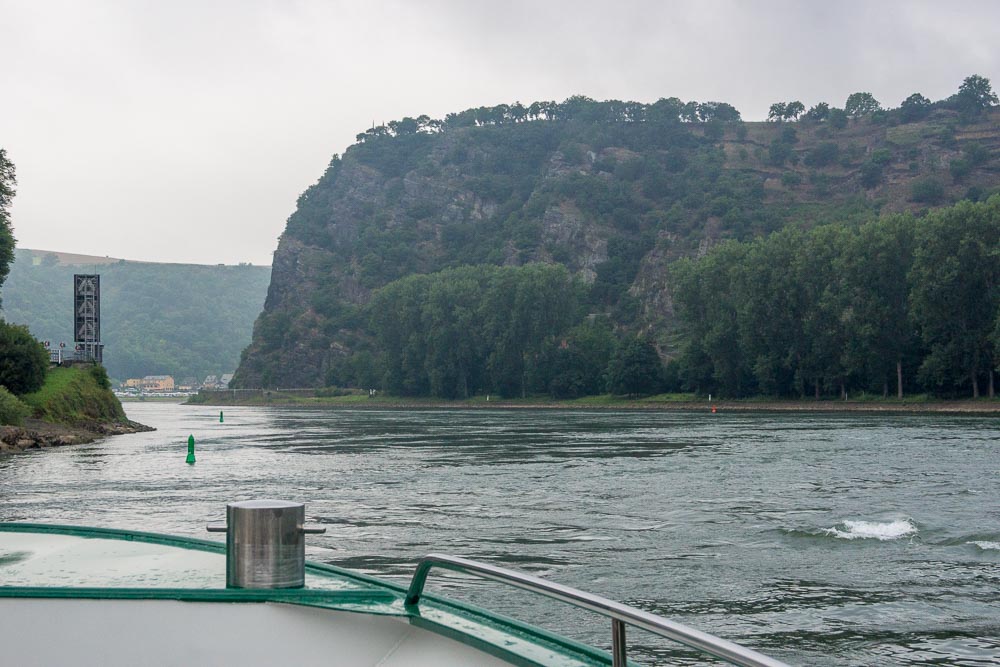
(119, 632)
(155, 633)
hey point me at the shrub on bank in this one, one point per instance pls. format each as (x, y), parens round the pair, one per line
(13, 411)
(100, 375)
(23, 360)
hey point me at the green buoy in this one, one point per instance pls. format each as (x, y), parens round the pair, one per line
(220, 416)
(190, 456)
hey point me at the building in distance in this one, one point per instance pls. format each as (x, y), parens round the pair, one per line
(150, 383)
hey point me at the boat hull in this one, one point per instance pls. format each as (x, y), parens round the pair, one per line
(109, 633)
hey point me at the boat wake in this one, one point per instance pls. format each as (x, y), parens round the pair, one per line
(986, 545)
(873, 530)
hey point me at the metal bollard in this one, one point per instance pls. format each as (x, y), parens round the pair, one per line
(265, 544)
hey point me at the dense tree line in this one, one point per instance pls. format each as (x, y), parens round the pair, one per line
(507, 331)
(974, 96)
(900, 302)
(576, 108)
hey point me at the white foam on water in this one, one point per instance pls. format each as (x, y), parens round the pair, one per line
(873, 530)
(986, 546)
(655, 526)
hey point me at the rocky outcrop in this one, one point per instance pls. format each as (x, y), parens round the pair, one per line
(37, 434)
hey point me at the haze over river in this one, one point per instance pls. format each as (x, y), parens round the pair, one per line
(818, 539)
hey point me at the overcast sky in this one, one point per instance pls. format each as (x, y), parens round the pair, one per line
(184, 131)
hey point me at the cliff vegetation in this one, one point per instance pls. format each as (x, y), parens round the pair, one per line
(425, 258)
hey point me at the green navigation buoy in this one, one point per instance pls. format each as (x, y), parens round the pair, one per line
(220, 416)
(190, 457)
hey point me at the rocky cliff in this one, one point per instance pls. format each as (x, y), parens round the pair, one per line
(613, 197)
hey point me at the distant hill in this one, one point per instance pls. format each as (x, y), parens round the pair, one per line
(185, 320)
(69, 258)
(613, 191)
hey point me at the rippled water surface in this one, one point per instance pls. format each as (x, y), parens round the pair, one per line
(821, 540)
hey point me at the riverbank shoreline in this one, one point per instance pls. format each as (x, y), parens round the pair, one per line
(38, 434)
(984, 406)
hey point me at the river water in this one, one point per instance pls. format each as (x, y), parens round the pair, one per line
(818, 539)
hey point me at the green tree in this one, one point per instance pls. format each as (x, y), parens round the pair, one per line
(397, 324)
(574, 365)
(975, 94)
(837, 118)
(778, 152)
(824, 154)
(818, 113)
(454, 337)
(914, 108)
(8, 182)
(793, 110)
(777, 112)
(771, 312)
(823, 304)
(875, 268)
(861, 104)
(522, 309)
(927, 191)
(23, 360)
(870, 174)
(956, 293)
(635, 369)
(718, 111)
(706, 297)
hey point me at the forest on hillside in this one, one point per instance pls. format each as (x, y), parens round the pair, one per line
(898, 304)
(619, 194)
(183, 320)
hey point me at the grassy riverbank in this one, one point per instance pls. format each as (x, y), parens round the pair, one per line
(361, 399)
(72, 407)
(74, 397)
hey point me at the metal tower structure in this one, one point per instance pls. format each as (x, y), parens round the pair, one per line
(87, 317)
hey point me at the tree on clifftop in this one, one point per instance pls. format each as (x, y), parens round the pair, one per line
(914, 107)
(861, 104)
(975, 94)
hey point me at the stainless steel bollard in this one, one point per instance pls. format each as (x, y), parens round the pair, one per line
(265, 544)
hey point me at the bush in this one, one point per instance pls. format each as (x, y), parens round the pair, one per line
(837, 119)
(790, 179)
(332, 392)
(871, 174)
(959, 169)
(881, 156)
(23, 360)
(778, 152)
(927, 191)
(100, 375)
(977, 154)
(12, 410)
(823, 155)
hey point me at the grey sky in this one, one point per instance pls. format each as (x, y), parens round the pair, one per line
(184, 131)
